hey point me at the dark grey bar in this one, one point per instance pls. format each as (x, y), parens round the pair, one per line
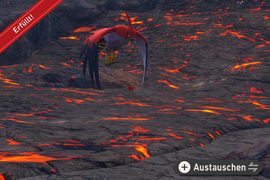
(218, 167)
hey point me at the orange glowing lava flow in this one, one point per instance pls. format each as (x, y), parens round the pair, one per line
(31, 114)
(187, 14)
(9, 66)
(84, 29)
(204, 110)
(136, 71)
(173, 135)
(72, 141)
(238, 67)
(265, 17)
(202, 32)
(262, 45)
(141, 129)
(261, 106)
(174, 70)
(248, 117)
(16, 120)
(151, 139)
(71, 37)
(168, 18)
(142, 150)
(261, 97)
(259, 8)
(170, 85)
(211, 135)
(164, 109)
(179, 100)
(133, 103)
(236, 34)
(220, 108)
(9, 81)
(135, 22)
(46, 144)
(177, 23)
(65, 64)
(12, 142)
(267, 42)
(77, 101)
(221, 25)
(131, 19)
(71, 90)
(30, 157)
(190, 133)
(129, 119)
(66, 144)
(30, 70)
(188, 38)
(44, 67)
(139, 148)
(253, 89)
(217, 133)
(141, 29)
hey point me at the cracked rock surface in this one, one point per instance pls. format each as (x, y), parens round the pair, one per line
(206, 95)
(160, 167)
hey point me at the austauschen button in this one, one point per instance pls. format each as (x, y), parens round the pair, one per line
(217, 167)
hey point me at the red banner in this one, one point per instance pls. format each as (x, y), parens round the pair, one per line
(26, 21)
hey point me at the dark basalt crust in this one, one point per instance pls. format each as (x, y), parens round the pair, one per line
(206, 94)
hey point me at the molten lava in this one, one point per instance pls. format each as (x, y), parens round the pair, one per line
(129, 119)
(220, 108)
(139, 148)
(170, 85)
(9, 81)
(29, 157)
(44, 67)
(242, 66)
(236, 34)
(83, 29)
(173, 135)
(71, 37)
(211, 135)
(204, 110)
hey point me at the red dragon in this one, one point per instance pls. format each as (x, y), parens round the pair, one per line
(110, 40)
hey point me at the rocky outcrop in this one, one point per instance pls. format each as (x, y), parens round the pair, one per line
(259, 151)
(160, 167)
(68, 16)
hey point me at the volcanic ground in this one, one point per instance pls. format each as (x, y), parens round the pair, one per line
(207, 78)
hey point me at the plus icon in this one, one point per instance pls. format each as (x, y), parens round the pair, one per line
(184, 167)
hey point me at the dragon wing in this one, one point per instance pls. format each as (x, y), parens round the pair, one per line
(142, 42)
(91, 48)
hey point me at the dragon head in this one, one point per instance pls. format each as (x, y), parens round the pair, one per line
(131, 32)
